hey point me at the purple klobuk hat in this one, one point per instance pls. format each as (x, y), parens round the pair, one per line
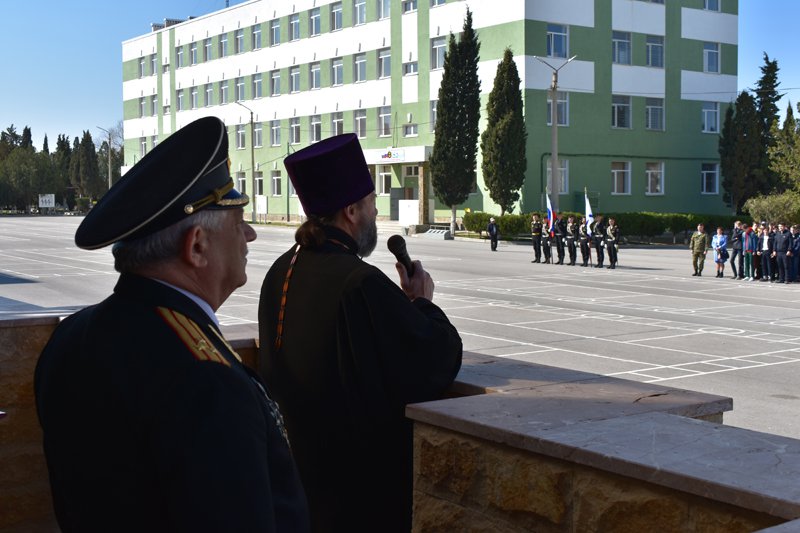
(330, 174)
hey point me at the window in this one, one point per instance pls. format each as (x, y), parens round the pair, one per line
(712, 5)
(193, 97)
(258, 92)
(621, 177)
(275, 82)
(238, 41)
(274, 32)
(314, 27)
(276, 183)
(142, 146)
(434, 104)
(178, 56)
(258, 135)
(294, 79)
(294, 130)
(435, 3)
(654, 113)
(209, 94)
(166, 68)
(621, 47)
(557, 42)
(562, 108)
(360, 122)
(239, 89)
(153, 105)
(153, 64)
(315, 128)
(337, 123)
(258, 178)
(275, 132)
(240, 138)
(142, 106)
(223, 45)
(654, 173)
(314, 80)
(709, 175)
(411, 171)
(561, 184)
(360, 68)
(410, 130)
(438, 48)
(710, 117)
(620, 111)
(337, 71)
(384, 180)
(154, 141)
(384, 9)
(223, 92)
(409, 6)
(384, 63)
(359, 12)
(141, 67)
(384, 121)
(179, 100)
(241, 182)
(711, 57)
(655, 51)
(294, 27)
(336, 16)
(207, 50)
(410, 68)
(193, 53)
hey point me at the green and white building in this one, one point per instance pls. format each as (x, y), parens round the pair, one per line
(639, 108)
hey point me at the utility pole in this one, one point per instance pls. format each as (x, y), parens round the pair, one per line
(554, 180)
(254, 211)
(109, 154)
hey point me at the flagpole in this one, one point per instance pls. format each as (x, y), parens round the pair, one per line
(587, 214)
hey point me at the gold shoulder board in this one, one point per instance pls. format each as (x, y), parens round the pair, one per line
(192, 336)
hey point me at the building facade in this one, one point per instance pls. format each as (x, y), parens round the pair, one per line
(639, 109)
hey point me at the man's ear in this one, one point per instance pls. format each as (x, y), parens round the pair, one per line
(195, 247)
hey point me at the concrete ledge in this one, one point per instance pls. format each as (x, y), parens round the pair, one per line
(443, 234)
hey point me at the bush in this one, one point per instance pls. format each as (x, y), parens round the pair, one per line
(784, 207)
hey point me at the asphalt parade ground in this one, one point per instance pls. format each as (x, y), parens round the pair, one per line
(649, 320)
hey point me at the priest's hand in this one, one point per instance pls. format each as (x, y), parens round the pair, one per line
(420, 285)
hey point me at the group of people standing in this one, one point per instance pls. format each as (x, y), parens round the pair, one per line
(569, 236)
(766, 252)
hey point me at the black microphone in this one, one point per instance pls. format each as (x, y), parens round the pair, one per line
(397, 245)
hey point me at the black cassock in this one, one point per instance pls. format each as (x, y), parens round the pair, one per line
(152, 424)
(355, 350)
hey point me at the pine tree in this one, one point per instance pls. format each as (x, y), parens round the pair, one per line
(503, 140)
(454, 157)
(45, 146)
(27, 139)
(61, 163)
(75, 168)
(91, 181)
(740, 152)
(767, 98)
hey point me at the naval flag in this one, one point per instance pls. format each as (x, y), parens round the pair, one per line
(589, 215)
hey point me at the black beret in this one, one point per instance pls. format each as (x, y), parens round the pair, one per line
(185, 173)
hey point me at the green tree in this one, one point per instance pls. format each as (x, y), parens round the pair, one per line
(91, 181)
(453, 160)
(75, 168)
(503, 140)
(9, 139)
(781, 207)
(740, 152)
(61, 169)
(45, 146)
(784, 155)
(26, 141)
(767, 97)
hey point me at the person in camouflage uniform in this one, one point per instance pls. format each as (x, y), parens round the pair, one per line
(699, 247)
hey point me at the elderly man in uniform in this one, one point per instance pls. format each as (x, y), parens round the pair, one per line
(151, 422)
(344, 349)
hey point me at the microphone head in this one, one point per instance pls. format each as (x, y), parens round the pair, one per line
(396, 245)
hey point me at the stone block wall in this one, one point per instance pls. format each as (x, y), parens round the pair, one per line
(471, 485)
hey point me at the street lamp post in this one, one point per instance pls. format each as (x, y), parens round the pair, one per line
(109, 154)
(254, 211)
(554, 168)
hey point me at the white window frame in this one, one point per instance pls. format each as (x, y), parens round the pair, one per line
(223, 92)
(258, 185)
(142, 106)
(359, 12)
(384, 9)
(258, 135)
(275, 133)
(208, 49)
(193, 53)
(337, 123)
(275, 32)
(255, 36)
(711, 58)
(276, 183)
(625, 174)
(409, 6)
(239, 84)
(294, 130)
(178, 56)
(705, 173)
(438, 50)
(562, 109)
(193, 97)
(223, 45)
(209, 94)
(385, 121)
(314, 22)
(384, 63)
(258, 86)
(241, 182)
(294, 27)
(238, 41)
(294, 80)
(141, 67)
(337, 71)
(275, 83)
(654, 172)
(153, 64)
(315, 128)
(655, 51)
(411, 68)
(359, 68)
(710, 117)
(179, 100)
(620, 111)
(241, 137)
(336, 16)
(142, 147)
(621, 47)
(557, 40)
(154, 141)
(563, 169)
(314, 76)
(384, 185)
(154, 105)
(654, 114)
(410, 130)
(360, 123)
(435, 3)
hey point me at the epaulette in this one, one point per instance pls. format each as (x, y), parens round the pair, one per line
(199, 345)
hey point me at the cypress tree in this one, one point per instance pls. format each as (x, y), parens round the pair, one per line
(740, 152)
(503, 140)
(45, 146)
(89, 167)
(75, 168)
(27, 139)
(767, 98)
(453, 160)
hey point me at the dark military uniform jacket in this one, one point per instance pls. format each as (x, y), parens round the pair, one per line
(355, 350)
(536, 228)
(151, 423)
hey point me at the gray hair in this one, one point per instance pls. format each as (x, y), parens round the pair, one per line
(165, 244)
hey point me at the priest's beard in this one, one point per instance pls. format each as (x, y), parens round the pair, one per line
(367, 238)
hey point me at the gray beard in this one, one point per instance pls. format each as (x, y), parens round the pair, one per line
(367, 238)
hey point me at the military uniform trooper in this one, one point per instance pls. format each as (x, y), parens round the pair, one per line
(536, 237)
(599, 237)
(583, 239)
(699, 246)
(560, 234)
(612, 242)
(547, 247)
(572, 238)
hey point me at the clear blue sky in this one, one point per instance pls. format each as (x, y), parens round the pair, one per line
(62, 70)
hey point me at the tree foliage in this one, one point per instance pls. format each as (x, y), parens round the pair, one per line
(503, 140)
(740, 152)
(453, 159)
(781, 207)
(767, 97)
(784, 155)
